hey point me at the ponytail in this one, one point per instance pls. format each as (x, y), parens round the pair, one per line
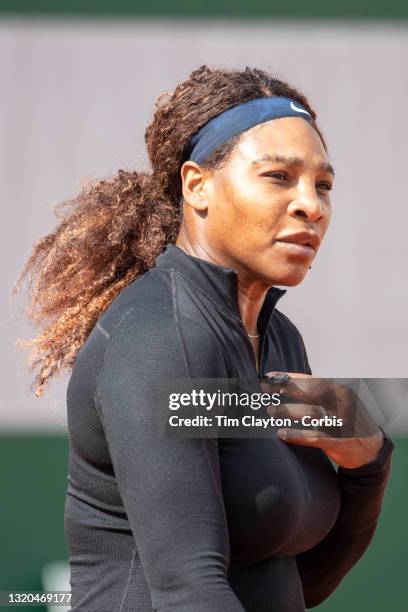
(108, 236)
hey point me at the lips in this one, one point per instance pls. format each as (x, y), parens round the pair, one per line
(307, 239)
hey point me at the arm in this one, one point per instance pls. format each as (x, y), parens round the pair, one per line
(170, 488)
(322, 568)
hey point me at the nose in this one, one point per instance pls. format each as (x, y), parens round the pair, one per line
(307, 205)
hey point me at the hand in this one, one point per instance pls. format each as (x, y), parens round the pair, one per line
(322, 398)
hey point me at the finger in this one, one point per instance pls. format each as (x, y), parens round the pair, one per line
(287, 390)
(291, 385)
(311, 418)
(274, 373)
(310, 390)
(302, 437)
(295, 411)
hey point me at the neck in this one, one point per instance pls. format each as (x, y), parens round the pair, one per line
(251, 293)
(251, 296)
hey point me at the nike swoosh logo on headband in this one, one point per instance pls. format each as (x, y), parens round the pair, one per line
(299, 110)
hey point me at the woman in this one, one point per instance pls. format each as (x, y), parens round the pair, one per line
(173, 274)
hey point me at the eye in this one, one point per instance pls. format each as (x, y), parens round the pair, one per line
(281, 176)
(325, 186)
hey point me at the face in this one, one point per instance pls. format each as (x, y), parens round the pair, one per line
(268, 206)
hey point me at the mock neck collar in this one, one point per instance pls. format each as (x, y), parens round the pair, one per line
(218, 282)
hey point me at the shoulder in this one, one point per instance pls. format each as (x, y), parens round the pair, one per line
(148, 299)
(149, 306)
(145, 332)
(126, 330)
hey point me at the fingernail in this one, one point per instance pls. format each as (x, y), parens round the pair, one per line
(280, 379)
(283, 434)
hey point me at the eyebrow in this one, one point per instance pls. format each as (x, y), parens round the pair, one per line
(292, 161)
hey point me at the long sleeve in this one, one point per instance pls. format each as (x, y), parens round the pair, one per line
(171, 488)
(323, 567)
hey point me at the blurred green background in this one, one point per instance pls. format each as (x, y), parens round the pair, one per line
(296, 8)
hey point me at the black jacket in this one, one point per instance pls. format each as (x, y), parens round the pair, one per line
(200, 525)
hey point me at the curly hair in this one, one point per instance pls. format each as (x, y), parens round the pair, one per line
(112, 232)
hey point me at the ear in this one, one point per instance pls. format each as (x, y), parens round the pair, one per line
(195, 183)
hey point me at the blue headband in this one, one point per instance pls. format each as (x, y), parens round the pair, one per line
(237, 120)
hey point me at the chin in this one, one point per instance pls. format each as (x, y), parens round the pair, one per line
(286, 271)
(292, 277)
